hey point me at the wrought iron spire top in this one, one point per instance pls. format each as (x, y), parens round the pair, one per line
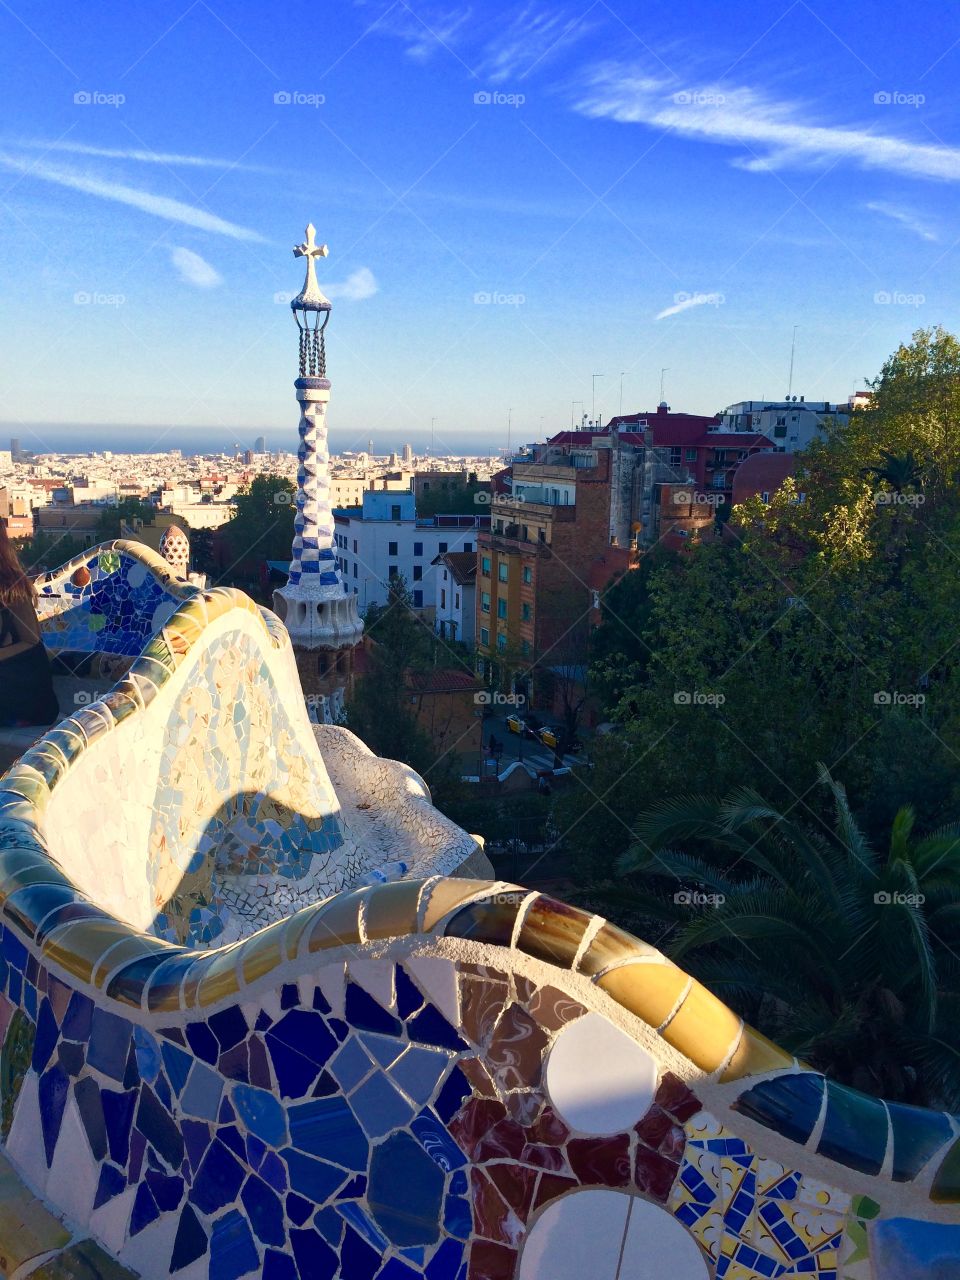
(311, 297)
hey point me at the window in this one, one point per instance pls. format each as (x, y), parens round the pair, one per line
(354, 546)
(502, 571)
(392, 571)
(417, 572)
(395, 512)
(527, 574)
(690, 455)
(484, 601)
(484, 636)
(355, 571)
(524, 533)
(501, 608)
(525, 648)
(468, 546)
(501, 644)
(525, 612)
(391, 548)
(675, 455)
(765, 496)
(443, 547)
(443, 598)
(418, 599)
(418, 548)
(485, 566)
(456, 601)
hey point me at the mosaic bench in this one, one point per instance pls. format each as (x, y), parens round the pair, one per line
(436, 1077)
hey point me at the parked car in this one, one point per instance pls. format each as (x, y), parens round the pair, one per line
(515, 724)
(549, 737)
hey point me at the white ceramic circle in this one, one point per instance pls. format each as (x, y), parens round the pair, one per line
(598, 1079)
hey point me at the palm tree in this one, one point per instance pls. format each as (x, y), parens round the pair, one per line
(848, 957)
(898, 471)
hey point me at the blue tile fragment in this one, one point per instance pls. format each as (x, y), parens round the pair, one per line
(177, 1064)
(363, 1012)
(262, 1114)
(429, 1026)
(265, 1211)
(232, 1250)
(218, 1179)
(314, 1258)
(326, 1127)
(190, 1243)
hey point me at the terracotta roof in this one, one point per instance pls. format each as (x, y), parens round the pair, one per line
(449, 680)
(462, 564)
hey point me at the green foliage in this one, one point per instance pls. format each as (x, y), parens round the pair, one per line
(262, 527)
(456, 500)
(839, 952)
(48, 550)
(113, 517)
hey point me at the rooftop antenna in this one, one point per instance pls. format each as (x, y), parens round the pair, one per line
(433, 423)
(666, 369)
(573, 405)
(594, 405)
(509, 425)
(620, 412)
(793, 348)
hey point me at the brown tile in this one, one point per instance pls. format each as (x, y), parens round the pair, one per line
(553, 1008)
(481, 1003)
(552, 931)
(612, 946)
(515, 1053)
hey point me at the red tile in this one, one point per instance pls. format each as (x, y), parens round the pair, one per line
(674, 1096)
(491, 1261)
(474, 1121)
(655, 1174)
(603, 1161)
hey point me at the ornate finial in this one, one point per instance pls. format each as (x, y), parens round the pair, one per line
(310, 298)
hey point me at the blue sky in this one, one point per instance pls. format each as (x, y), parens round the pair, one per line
(588, 167)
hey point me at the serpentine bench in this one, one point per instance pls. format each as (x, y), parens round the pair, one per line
(226, 1054)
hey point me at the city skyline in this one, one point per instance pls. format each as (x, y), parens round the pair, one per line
(596, 194)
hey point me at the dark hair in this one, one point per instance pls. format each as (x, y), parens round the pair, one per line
(15, 586)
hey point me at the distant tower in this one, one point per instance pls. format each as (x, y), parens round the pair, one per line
(370, 448)
(175, 549)
(407, 454)
(260, 445)
(316, 606)
(15, 450)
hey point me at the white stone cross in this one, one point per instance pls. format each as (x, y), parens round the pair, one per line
(310, 249)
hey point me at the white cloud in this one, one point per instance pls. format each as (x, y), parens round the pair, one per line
(906, 218)
(159, 206)
(779, 131)
(533, 36)
(358, 285)
(142, 155)
(192, 269)
(684, 301)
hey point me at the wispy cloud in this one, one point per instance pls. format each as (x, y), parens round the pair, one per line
(423, 33)
(141, 155)
(359, 285)
(192, 269)
(905, 217)
(146, 201)
(775, 134)
(533, 36)
(687, 300)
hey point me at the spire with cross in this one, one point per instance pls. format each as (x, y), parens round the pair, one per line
(310, 297)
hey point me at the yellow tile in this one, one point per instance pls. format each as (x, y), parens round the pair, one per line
(611, 946)
(338, 921)
(703, 1028)
(78, 946)
(27, 1228)
(294, 929)
(132, 948)
(754, 1055)
(263, 952)
(650, 990)
(221, 979)
(448, 894)
(391, 910)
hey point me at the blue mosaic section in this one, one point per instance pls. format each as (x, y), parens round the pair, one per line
(111, 602)
(285, 1144)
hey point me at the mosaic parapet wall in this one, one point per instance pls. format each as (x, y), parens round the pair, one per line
(445, 1079)
(110, 599)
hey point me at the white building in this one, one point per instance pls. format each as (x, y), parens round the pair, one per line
(456, 596)
(791, 424)
(384, 539)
